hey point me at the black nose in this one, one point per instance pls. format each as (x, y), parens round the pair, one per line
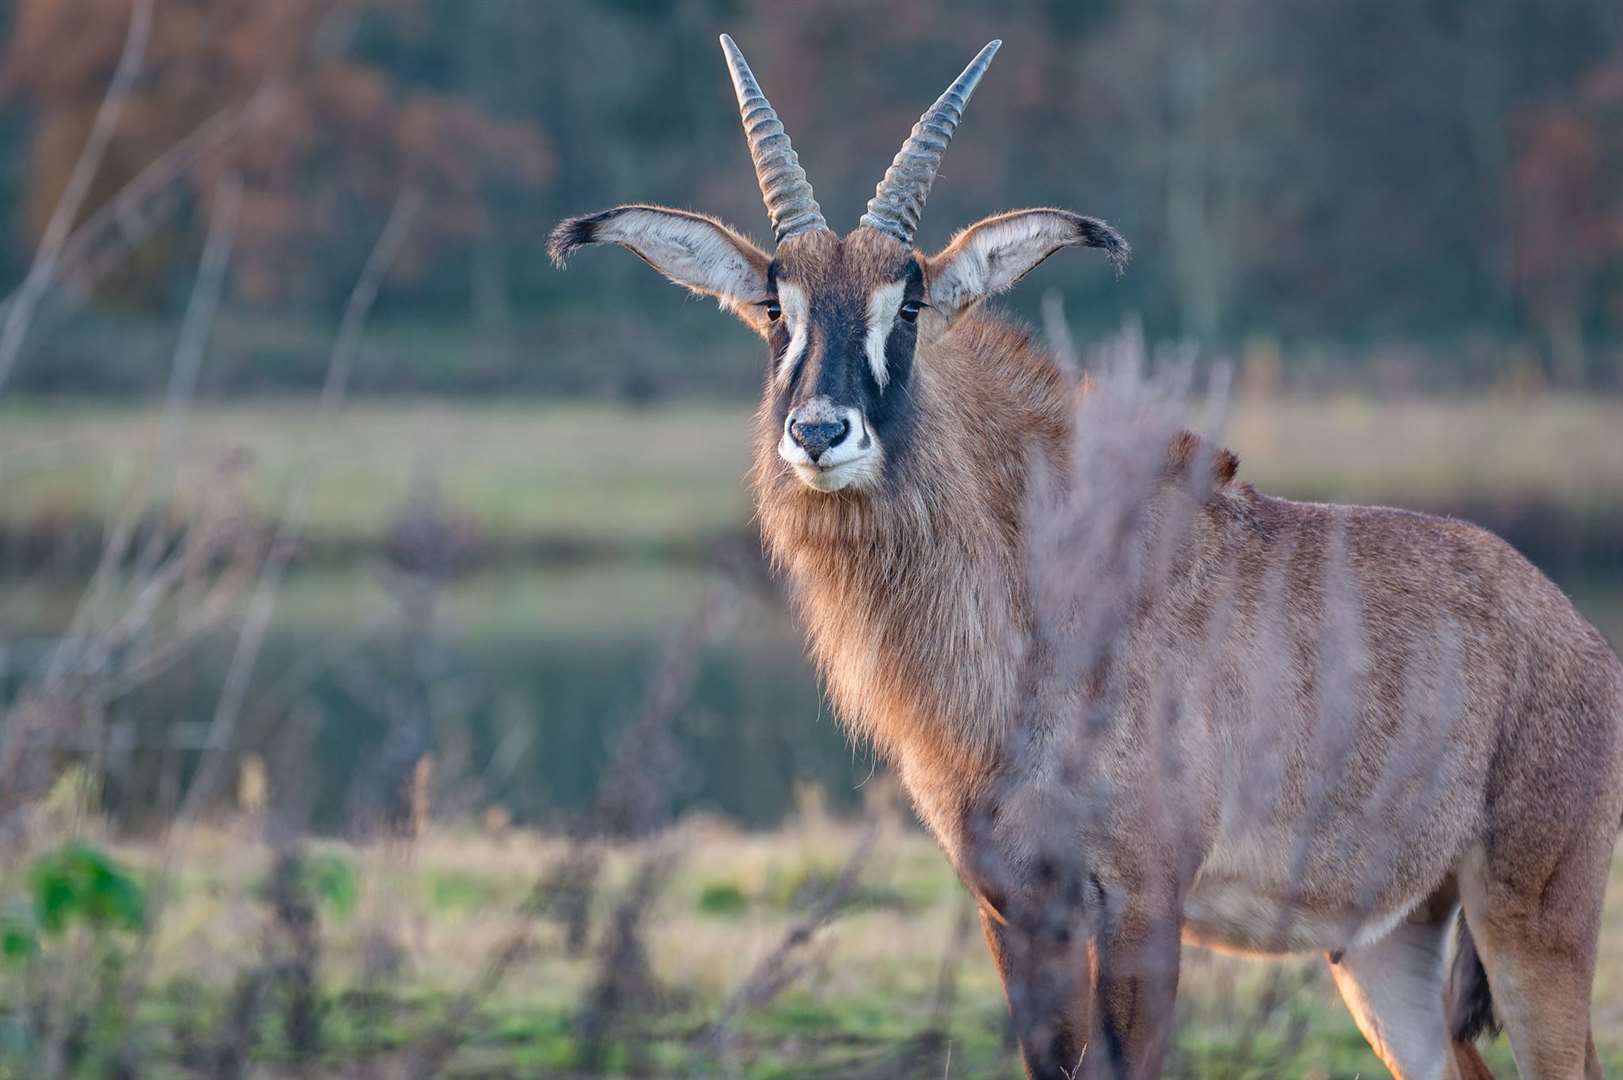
(815, 437)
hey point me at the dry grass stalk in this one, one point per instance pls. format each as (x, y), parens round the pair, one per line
(40, 273)
(782, 965)
(223, 728)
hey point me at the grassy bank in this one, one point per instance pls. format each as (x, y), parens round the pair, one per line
(487, 950)
(399, 962)
(593, 479)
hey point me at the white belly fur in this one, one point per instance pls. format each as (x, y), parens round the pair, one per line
(1244, 900)
(1235, 917)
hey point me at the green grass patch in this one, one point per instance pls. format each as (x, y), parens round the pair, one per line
(723, 899)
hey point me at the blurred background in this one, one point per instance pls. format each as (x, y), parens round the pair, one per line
(328, 506)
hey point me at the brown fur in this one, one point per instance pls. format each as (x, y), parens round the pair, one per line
(910, 665)
(1187, 449)
(1312, 727)
(915, 602)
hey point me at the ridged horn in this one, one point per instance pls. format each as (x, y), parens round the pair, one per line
(899, 199)
(784, 186)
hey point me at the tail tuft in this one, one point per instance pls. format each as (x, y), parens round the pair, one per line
(1470, 1002)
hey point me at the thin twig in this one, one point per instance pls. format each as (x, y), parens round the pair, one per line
(952, 960)
(778, 968)
(623, 986)
(135, 211)
(76, 674)
(189, 353)
(43, 268)
(222, 729)
(1057, 328)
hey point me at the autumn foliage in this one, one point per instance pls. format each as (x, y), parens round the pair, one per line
(1568, 210)
(1362, 182)
(338, 142)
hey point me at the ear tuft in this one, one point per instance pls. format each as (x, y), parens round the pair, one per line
(1095, 233)
(572, 234)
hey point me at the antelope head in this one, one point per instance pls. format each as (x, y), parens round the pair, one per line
(846, 318)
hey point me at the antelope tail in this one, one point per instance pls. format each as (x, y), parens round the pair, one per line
(1469, 1003)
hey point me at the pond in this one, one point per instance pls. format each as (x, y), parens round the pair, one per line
(518, 686)
(523, 682)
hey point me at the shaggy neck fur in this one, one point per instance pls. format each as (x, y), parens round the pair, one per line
(913, 595)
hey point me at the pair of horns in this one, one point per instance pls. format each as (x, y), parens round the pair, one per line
(898, 200)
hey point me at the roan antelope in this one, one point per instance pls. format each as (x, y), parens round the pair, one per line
(1435, 726)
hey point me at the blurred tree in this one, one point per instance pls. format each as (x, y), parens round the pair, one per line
(1567, 217)
(1332, 173)
(321, 169)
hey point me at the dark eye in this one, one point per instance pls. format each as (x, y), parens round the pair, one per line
(773, 311)
(910, 310)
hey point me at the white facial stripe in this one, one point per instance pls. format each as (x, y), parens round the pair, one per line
(791, 355)
(792, 301)
(882, 307)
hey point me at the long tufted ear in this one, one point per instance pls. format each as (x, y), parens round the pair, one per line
(990, 256)
(696, 252)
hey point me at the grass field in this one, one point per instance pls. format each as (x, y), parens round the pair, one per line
(614, 478)
(397, 950)
(381, 956)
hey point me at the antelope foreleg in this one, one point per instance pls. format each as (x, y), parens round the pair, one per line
(1135, 986)
(1046, 977)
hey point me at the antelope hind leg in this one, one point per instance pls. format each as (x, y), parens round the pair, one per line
(1394, 989)
(1538, 948)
